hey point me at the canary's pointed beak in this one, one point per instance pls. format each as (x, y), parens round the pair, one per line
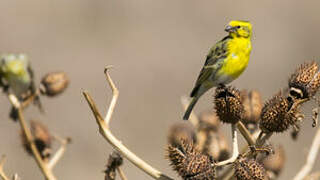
(230, 29)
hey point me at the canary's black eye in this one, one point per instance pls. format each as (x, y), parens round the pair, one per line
(238, 27)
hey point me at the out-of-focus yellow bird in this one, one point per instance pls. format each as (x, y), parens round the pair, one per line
(226, 60)
(16, 75)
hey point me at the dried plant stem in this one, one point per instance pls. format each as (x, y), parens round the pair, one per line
(115, 95)
(229, 171)
(245, 133)
(193, 118)
(235, 152)
(58, 155)
(15, 177)
(121, 174)
(262, 139)
(312, 156)
(313, 176)
(106, 133)
(2, 173)
(42, 165)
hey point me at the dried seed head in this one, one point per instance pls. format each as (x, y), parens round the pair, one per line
(115, 160)
(252, 103)
(249, 169)
(275, 162)
(305, 81)
(190, 163)
(209, 121)
(228, 104)
(42, 139)
(278, 114)
(181, 130)
(54, 83)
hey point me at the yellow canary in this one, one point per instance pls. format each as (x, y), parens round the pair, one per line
(226, 60)
(16, 75)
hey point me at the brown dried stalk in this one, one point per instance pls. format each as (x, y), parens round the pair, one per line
(107, 134)
(121, 174)
(2, 173)
(58, 155)
(235, 148)
(46, 171)
(312, 156)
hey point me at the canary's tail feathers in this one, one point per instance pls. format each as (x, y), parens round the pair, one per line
(190, 107)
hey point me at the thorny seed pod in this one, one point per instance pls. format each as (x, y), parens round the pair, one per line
(42, 139)
(115, 160)
(228, 104)
(305, 81)
(275, 162)
(209, 121)
(54, 83)
(190, 163)
(181, 130)
(252, 103)
(278, 114)
(249, 169)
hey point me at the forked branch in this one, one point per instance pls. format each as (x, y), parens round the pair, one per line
(107, 134)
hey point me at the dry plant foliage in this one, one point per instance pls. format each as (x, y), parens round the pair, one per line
(197, 150)
(37, 140)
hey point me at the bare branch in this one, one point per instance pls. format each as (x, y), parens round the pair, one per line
(121, 174)
(262, 139)
(58, 155)
(115, 93)
(106, 133)
(235, 152)
(245, 133)
(42, 165)
(2, 173)
(313, 176)
(312, 156)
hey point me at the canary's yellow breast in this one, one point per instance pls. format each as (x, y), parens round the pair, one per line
(237, 59)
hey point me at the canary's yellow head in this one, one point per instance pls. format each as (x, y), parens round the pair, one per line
(14, 65)
(239, 29)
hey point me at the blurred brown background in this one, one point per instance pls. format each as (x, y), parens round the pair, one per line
(157, 48)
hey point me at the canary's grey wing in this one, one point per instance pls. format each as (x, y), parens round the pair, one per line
(3, 84)
(214, 61)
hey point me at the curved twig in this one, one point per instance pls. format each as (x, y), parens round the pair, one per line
(235, 147)
(106, 133)
(2, 173)
(58, 155)
(312, 156)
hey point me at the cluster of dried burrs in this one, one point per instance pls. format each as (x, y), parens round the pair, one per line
(199, 151)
